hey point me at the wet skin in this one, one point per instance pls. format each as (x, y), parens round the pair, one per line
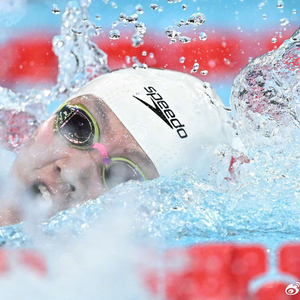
(71, 175)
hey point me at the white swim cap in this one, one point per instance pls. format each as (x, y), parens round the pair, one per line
(176, 118)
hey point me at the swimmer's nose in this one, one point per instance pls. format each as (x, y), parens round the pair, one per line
(81, 171)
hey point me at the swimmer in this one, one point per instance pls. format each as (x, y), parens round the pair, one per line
(125, 125)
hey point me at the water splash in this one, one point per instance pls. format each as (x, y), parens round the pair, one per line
(80, 60)
(196, 19)
(265, 96)
(12, 11)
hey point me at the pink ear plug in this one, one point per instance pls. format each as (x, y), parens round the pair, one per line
(103, 152)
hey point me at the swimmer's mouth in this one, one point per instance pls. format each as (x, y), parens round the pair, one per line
(39, 189)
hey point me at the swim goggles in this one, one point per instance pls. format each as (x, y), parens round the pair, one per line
(79, 129)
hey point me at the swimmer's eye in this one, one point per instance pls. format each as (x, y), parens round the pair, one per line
(121, 170)
(76, 125)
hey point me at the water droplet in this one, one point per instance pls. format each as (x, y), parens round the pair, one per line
(137, 40)
(195, 68)
(139, 9)
(261, 5)
(58, 43)
(114, 34)
(154, 6)
(274, 40)
(151, 55)
(184, 6)
(202, 36)
(144, 53)
(140, 28)
(127, 59)
(294, 11)
(122, 17)
(181, 23)
(114, 24)
(55, 9)
(211, 63)
(114, 5)
(264, 16)
(280, 4)
(76, 31)
(250, 59)
(161, 9)
(132, 19)
(204, 72)
(182, 59)
(226, 61)
(135, 66)
(284, 22)
(206, 85)
(196, 19)
(171, 32)
(98, 17)
(184, 39)
(145, 66)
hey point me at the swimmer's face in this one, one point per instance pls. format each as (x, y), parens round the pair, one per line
(52, 168)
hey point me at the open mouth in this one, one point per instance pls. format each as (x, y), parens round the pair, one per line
(39, 189)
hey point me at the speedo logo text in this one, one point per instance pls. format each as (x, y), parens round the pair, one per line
(162, 109)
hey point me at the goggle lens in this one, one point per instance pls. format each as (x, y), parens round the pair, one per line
(119, 172)
(76, 126)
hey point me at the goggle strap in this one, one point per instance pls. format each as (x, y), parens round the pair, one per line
(103, 152)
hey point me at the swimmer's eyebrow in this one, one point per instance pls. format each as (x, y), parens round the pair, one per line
(136, 157)
(100, 113)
